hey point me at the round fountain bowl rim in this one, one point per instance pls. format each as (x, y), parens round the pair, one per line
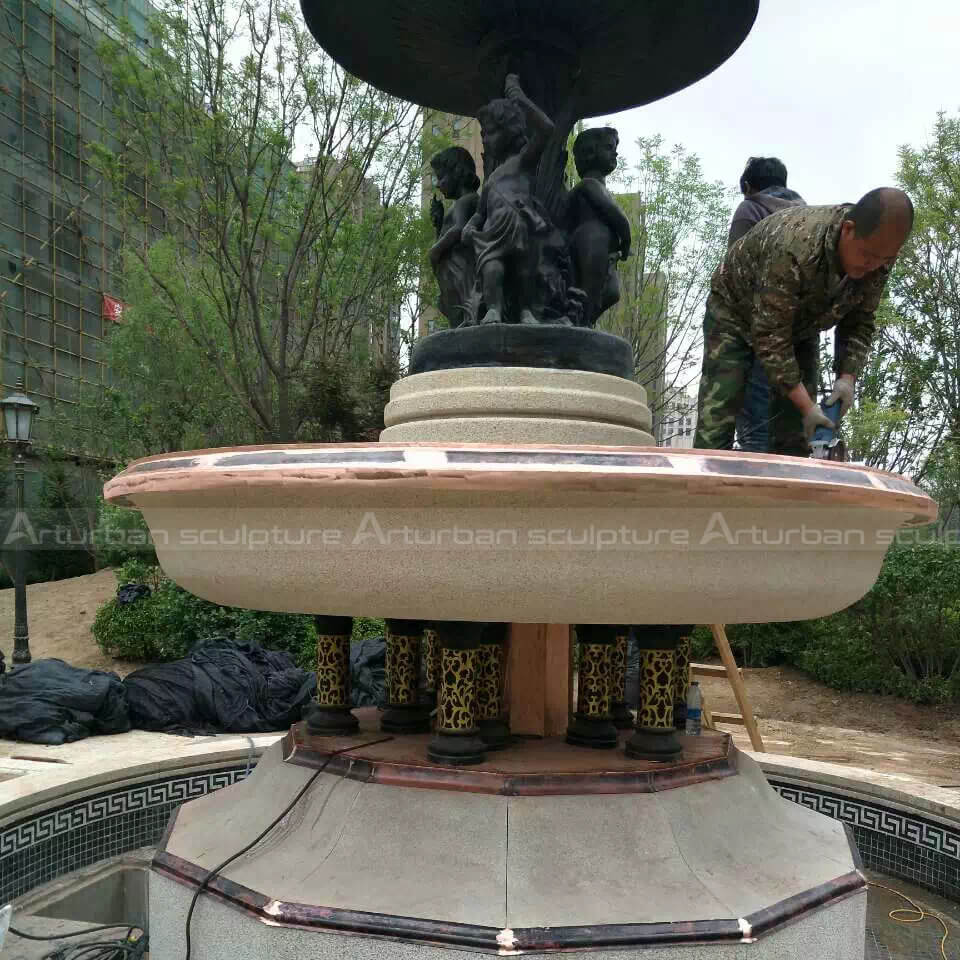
(452, 56)
(499, 468)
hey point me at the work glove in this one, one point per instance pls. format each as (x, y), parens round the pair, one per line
(813, 418)
(842, 391)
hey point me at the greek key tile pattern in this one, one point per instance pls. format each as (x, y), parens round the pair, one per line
(891, 841)
(40, 848)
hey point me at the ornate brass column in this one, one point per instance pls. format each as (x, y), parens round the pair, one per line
(681, 682)
(622, 717)
(592, 724)
(329, 713)
(655, 737)
(431, 660)
(494, 730)
(404, 713)
(457, 740)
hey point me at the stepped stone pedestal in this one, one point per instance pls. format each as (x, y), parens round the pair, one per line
(517, 405)
(508, 384)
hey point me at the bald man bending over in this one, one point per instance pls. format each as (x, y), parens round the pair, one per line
(800, 271)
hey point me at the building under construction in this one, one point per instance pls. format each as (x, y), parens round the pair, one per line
(59, 234)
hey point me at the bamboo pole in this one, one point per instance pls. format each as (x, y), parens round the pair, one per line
(736, 681)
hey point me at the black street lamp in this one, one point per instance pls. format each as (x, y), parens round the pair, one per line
(18, 411)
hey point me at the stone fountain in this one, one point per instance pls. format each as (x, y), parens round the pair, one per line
(483, 811)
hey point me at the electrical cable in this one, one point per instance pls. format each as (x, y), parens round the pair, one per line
(918, 915)
(216, 870)
(129, 948)
(66, 936)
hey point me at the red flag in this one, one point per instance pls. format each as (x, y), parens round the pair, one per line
(112, 309)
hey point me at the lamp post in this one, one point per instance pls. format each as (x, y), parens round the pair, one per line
(18, 413)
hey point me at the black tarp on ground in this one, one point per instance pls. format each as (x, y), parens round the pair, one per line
(368, 672)
(50, 702)
(221, 687)
(132, 592)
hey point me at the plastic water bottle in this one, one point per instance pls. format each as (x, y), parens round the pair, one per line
(694, 709)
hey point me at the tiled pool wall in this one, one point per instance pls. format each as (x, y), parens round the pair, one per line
(42, 847)
(48, 845)
(900, 843)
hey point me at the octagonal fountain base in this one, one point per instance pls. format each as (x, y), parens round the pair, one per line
(546, 848)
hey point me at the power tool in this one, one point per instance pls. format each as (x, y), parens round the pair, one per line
(826, 443)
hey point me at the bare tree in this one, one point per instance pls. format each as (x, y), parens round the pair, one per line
(908, 414)
(679, 222)
(272, 268)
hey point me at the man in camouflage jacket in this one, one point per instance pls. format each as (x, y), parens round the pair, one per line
(795, 274)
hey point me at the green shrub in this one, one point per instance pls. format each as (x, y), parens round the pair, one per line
(145, 630)
(61, 513)
(291, 632)
(122, 534)
(165, 625)
(364, 627)
(140, 570)
(902, 638)
(913, 612)
(843, 656)
(757, 644)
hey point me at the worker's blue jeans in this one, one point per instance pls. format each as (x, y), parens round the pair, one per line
(753, 421)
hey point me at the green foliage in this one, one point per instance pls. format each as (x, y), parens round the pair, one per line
(908, 413)
(902, 638)
(755, 644)
(165, 625)
(912, 618)
(149, 630)
(261, 289)
(343, 401)
(890, 427)
(679, 221)
(122, 535)
(140, 569)
(365, 627)
(62, 522)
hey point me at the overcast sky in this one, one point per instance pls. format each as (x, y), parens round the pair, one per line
(832, 87)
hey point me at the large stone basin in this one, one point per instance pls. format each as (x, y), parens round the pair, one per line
(564, 534)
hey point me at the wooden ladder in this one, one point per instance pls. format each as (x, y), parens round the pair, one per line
(733, 674)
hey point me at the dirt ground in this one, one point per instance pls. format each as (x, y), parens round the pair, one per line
(59, 617)
(798, 716)
(802, 718)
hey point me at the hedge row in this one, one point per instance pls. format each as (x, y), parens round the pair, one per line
(166, 624)
(902, 638)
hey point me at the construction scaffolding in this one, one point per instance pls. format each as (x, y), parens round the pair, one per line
(60, 236)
